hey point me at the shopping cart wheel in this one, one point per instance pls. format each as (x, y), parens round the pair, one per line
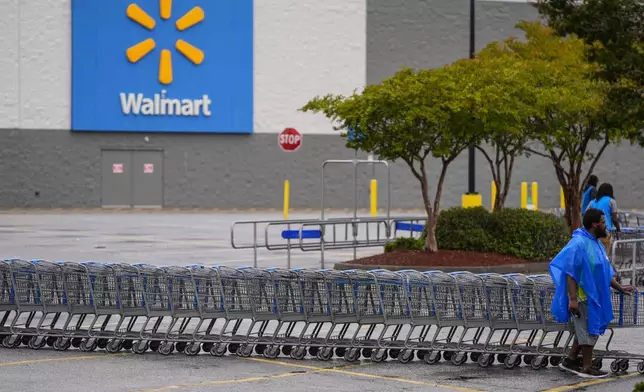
(25, 340)
(206, 347)
(7, 341)
(166, 348)
(432, 357)
(88, 345)
(474, 357)
(313, 351)
(76, 342)
(352, 354)
(128, 344)
(62, 344)
(271, 352)
(459, 358)
(420, 354)
(218, 350)
(232, 348)
(555, 361)
(544, 363)
(37, 342)
(614, 366)
(366, 352)
(192, 349)
(511, 361)
(597, 363)
(485, 360)
(623, 365)
(154, 345)
(527, 359)
(640, 368)
(340, 351)
(51, 340)
(447, 355)
(140, 346)
(378, 355)
(102, 343)
(298, 353)
(393, 352)
(113, 346)
(325, 353)
(286, 350)
(536, 362)
(180, 346)
(406, 356)
(260, 348)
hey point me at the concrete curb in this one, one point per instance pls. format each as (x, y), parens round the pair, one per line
(524, 268)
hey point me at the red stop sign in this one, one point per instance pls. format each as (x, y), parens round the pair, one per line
(289, 139)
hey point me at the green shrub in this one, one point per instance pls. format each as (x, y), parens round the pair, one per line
(530, 235)
(639, 387)
(465, 229)
(405, 243)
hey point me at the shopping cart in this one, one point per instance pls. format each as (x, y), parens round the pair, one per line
(377, 314)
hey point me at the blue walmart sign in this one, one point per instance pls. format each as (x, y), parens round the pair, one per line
(162, 65)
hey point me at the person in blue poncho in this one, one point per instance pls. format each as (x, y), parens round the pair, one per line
(583, 277)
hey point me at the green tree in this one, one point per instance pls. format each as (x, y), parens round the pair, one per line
(507, 105)
(571, 125)
(412, 116)
(614, 29)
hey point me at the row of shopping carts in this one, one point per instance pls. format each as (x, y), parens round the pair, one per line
(377, 314)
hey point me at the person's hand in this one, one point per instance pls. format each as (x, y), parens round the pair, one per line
(573, 308)
(628, 289)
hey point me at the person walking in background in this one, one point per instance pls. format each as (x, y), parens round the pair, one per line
(590, 193)
(605, 202)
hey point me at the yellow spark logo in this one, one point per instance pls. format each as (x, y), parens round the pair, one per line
(140, 50)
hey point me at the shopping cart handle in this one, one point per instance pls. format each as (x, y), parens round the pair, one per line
(379, 270)
(195, 266)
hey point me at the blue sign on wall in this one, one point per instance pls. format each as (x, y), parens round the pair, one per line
(162, 65)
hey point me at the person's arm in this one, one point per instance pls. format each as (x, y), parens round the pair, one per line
(613, 214)
(593, 193)
(572, 295)
(622, 289)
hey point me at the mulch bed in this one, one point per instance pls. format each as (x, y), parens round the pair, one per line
(442, 258)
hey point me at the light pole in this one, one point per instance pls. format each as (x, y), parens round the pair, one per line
(471, 151)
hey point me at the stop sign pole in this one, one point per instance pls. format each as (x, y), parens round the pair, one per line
(289, 140)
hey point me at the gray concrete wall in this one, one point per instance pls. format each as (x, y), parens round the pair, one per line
(232, 171)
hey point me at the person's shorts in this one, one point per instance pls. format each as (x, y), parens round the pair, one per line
(579, 326)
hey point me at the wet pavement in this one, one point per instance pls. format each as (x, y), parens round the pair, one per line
(185, 238)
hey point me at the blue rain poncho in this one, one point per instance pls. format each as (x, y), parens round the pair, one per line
(584, 259)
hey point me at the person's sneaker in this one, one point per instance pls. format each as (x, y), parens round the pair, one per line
(592, 373)
(570, 365)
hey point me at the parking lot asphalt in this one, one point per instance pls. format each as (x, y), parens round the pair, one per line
(179, 239)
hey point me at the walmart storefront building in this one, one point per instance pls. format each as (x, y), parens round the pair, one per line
(179, 103)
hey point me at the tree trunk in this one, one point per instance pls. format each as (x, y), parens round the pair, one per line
(572, 199)
(430, 241)
(501, 168)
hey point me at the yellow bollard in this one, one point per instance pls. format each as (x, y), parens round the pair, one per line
(287, 189)
(562, 202)
(493, 196)
(524, 195)
(374, 197)
(535, 195)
